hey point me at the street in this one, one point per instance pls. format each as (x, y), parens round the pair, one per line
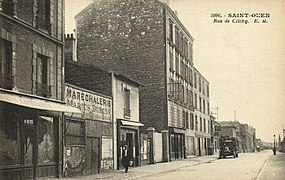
(247, 166)
(260, 165)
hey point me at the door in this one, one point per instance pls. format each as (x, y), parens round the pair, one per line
(93, 156)
(130, 141)
(199, 146)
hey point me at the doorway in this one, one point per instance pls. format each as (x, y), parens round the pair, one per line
(92, 156)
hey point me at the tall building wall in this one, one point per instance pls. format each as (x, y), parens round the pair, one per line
(129, 37)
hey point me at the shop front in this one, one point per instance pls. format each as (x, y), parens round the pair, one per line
(128, 134)
(177, 143)
(30, 133)
(88, 137)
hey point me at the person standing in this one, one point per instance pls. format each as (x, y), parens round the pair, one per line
(125, 158)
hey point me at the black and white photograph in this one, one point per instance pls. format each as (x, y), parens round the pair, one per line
(142, 89)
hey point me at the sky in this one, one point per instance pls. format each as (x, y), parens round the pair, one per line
(244, 63)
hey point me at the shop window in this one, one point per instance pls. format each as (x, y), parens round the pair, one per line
(28, 138)
(7, 7)
(9, 139)
(43, 15)
(6, 78)
(46, 139)
(75, 132)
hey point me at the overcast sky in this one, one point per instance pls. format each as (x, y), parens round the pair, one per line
(244, 63)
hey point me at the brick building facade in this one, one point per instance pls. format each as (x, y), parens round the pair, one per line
(31, 88)
(146, 41)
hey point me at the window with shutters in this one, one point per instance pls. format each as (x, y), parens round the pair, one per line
(127, 103)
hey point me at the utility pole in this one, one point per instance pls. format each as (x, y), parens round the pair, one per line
(235, 118)
(216, 112)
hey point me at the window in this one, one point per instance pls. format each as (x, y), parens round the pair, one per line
(176, 37)
(196, 105)
(181, 42)
(185, 119)
(6, 78)
(185, 49)
(171, 62)
(200, 85)
(75, 132)
(171, 87)
(7, 6)
(208, 108)
(190, 52)
(195, 80)
(177, 62)
(207, 90)
(10, 149)
(188, 123)
(43, 88)
(178, 118)
(43, 15)
(201, 127)
(46, 139)
(127, 106)
(190, 76)
(204, 108)
(170, 31)
(200, 104)
(196, 123)
(204, 122)
(191, 121)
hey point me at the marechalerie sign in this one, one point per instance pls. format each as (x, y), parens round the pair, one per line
(92, 106)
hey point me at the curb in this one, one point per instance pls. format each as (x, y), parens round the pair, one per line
(168, 171)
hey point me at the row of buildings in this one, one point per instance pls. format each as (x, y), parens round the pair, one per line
(245, 134)
(69, 103)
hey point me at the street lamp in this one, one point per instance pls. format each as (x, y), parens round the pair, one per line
(274, 145)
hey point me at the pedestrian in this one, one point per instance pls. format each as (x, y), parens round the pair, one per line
(126, 158)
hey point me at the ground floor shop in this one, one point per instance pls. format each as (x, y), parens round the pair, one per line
(88, 147)
(128, 134)
(177, 143)
(30, 137)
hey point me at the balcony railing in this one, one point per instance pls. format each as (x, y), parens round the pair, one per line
(6, 81)
(43, 90)
(127, 112)
(7, 7)
(43, 23)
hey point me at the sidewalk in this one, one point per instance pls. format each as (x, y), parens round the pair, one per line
(143, 172)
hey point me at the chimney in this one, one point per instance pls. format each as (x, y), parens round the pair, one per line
(70, 48)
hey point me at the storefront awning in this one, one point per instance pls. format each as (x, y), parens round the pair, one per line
(131, 123)
(34, 103)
